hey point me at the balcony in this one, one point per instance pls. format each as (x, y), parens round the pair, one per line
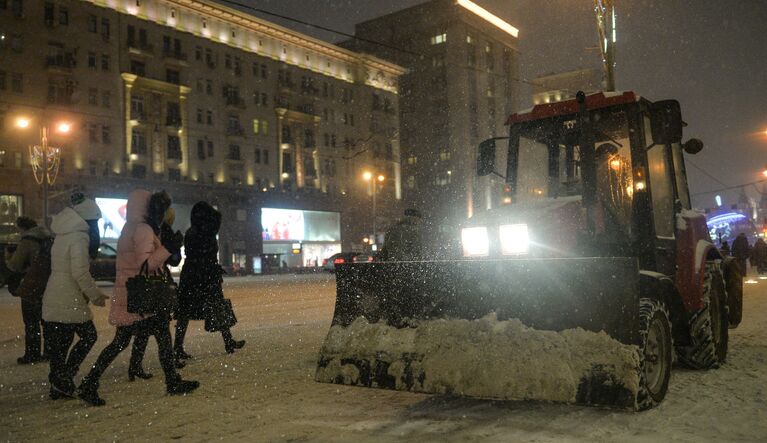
(234, 101)
(61, 62)
(140, 48)
(235, 131)
(173, 121)
(174, 56)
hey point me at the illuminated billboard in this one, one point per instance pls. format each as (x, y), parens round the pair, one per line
(298, 225)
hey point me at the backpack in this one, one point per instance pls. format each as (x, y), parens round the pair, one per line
(33, 284)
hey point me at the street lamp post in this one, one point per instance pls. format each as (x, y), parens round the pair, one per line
(45, 159)
(368, 176)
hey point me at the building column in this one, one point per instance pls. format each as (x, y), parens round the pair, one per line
(184, 133)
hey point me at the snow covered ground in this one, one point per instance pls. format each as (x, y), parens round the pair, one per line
(267, 392)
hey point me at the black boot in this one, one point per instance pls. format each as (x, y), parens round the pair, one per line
(88, 392)
(232, 345)
(57, 393)
(177, 386)
(138, 372)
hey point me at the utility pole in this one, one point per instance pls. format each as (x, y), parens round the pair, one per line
(606, 27)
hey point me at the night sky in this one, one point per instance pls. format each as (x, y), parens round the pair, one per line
(711, 55)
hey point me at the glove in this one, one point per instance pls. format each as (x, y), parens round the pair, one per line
(96, 297)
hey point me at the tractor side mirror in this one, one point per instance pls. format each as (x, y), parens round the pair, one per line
(692, 146)
(486, 158)
(666, 122)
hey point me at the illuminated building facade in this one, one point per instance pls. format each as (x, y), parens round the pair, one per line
(202, 100)
(459, 89)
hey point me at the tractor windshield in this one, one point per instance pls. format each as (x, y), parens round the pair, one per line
(549, 161)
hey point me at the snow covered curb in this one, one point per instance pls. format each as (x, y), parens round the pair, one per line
(484, 358)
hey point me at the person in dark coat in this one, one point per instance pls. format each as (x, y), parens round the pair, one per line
(741, 250)
(20, 261)
(759, 256)
(200, 288)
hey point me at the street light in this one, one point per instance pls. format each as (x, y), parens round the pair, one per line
(45, 159)
(368, 177)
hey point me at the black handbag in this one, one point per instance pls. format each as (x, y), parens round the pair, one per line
(151, 292)
(219, 315)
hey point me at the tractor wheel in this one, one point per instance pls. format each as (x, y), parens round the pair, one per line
(655, 354)
(709, 326)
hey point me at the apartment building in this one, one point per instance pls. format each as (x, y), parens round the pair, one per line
(202, 100)
(460, 87)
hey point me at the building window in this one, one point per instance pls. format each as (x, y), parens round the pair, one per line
(174, 147)
(439, 39)
(138, 142)
(173, 114)
(136, 107)
(211, 150)
(198, 53)
(2, 81)
(48, 14)
(200, 149)
(264, 127)
(63, 16)
(172, 76)
(444, 155)
(93, 96)
(209, 117)
(228, 61)
(106, 99)
(209, 87)
(17, 82)
(411, 160)
(199, 116)
(264, 73)
(256, 126)
(106, 137)
(93, 136)
(92, 60)
(105, 28)
(257, 155)
(104, 62)
(265, 157)
(174, 174)
(410, 182)
(234, 152)
(92, 24)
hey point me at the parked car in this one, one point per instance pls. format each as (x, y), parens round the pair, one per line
(104, 266)
(329, 264)
(365, 257)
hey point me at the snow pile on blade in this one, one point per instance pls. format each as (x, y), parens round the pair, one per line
(483, 358)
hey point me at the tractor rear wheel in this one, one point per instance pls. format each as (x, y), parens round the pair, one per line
(709, 326)
(655, 353)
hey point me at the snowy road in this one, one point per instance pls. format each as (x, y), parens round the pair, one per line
(266, 391)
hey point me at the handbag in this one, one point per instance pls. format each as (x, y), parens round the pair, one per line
(151, 292)
(219, 315)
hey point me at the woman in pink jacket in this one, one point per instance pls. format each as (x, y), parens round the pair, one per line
(138, 243)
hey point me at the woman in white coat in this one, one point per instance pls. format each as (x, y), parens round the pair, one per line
(69, 291)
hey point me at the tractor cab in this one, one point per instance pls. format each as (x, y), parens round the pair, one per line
(599, 175)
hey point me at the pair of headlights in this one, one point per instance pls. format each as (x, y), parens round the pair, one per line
(514, 240)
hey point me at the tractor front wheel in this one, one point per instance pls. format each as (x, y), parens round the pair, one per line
(656, 353)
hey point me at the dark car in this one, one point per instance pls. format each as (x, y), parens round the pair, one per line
(329, 264)
(104, 266)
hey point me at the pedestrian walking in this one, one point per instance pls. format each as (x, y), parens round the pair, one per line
(759, 256)
(403, 240)
(70, 291)
(200, 292)
(741, 250)
(138, 244)
(171, 241)
(29, 286)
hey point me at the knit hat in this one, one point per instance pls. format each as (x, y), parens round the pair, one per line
(85, 207)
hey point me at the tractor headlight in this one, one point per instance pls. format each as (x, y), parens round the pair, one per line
(514, 239)
(475, 242)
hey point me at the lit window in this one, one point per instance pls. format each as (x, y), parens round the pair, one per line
(411, 160)
(439, 39)
(256, 126)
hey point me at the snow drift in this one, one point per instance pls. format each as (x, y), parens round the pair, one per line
(484, 358)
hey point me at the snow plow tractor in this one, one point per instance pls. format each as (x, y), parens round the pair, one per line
(584, 286)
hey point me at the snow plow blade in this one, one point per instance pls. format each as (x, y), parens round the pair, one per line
(561, 330)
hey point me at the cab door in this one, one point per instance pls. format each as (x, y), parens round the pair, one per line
(662, 187)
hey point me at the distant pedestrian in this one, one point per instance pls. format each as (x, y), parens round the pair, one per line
(19, 261)
(200, 292)
(759, 256)
(138, 244)
(725, 248)
(69, 291)
(403, 240)
(741, 250)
